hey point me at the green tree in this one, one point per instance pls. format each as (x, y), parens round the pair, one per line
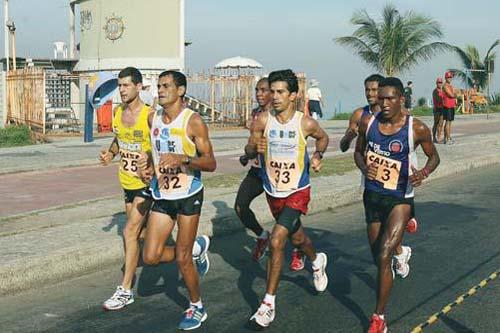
(396, 42)
(471, 60)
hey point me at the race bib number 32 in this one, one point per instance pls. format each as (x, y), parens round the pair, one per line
(172, 180)
(388, 169)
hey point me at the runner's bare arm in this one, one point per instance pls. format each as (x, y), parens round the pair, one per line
(352, 130)
(370, 171)
(106, 156)
(257, 141)
(448, 90)
(198, 131)
(311, 128)
(422, 137)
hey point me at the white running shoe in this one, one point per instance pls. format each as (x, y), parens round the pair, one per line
(264, 315)
(119, 300)
(401, 262)
(320, 278)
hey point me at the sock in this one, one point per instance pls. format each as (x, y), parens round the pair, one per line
(196, 249)
(264, 234)
(317, 262)
(128, 291)
(269, 299)
(198, 304)
(381, 316)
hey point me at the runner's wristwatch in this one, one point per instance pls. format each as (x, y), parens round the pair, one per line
(188, 160)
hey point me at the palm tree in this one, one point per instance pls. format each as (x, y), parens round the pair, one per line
(472, 61)
(397, 42)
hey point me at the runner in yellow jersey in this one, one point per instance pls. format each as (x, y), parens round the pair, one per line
(130, 125)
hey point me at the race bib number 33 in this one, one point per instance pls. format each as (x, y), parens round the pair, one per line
(283, 174)
(388, 169)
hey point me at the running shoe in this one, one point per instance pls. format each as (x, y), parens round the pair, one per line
(412, 226)
(260, 247)
(192, 318)
(264, 315)
(298, 260)
(202, 262)
(119, 300)
(401, 262)
(320, 278)
(377, 325)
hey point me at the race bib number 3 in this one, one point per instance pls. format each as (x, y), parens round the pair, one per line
(128, 162)
(283, 174)
(172, 180)
(388, 169)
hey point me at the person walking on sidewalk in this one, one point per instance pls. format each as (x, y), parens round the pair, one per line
(251, 187)
(315, 100)
(279, 137)
(437, 101)
(130, 126)
(384, 154)
(181, 149)
(449, 104)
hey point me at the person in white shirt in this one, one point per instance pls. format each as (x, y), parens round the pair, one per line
(315, 100)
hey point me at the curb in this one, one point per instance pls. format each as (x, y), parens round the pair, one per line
(218, 220)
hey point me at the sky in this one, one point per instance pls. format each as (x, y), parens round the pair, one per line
(293, 34)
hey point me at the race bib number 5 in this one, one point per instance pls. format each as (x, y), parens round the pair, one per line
(388, 169)
(172, 180)
(128, 162)
(283, 174)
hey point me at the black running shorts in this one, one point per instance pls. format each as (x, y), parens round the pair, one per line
(186, 206)
(379, 206)
(129, 195)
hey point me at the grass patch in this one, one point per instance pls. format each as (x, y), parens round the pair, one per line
(421, 111)
(341, 116)
(227, 180)
(487, 109)
(338, 165)
(15, 136)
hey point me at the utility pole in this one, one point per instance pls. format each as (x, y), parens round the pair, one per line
(12, 30)
(6, 31)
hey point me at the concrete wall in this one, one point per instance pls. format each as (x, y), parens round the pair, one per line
(120, 33)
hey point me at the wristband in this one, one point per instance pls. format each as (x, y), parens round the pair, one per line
(319, 153)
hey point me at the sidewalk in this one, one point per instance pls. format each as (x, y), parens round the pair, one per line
(63, 242)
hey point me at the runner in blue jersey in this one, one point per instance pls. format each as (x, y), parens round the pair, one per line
(384, 154)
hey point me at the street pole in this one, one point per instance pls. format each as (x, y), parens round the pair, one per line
(6, 32)
(489, 82)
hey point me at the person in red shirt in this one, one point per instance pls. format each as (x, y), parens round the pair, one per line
(437, 101)
(449, 104)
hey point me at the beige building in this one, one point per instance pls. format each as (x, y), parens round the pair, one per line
(148, 34)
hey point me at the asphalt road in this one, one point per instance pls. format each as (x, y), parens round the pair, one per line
(456, 247)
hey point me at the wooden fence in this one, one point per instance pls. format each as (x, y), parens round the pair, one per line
(26, 97)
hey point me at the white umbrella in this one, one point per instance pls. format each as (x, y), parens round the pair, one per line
(238, 62)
